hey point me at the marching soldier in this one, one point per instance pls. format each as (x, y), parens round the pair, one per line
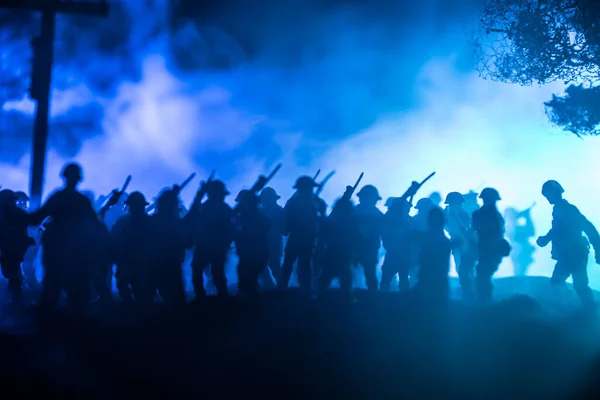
(276, 216)
(303, 213)
(370, 226)
(570, 248)
(519, 230)
(213, 234)
(397, 229)
(131, 243)
(492, 247)
(458, 223)
(434, 260)
(251, 242)
(14, 242)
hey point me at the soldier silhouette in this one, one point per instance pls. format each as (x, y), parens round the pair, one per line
(492, 247)
(29, 263)
(519, 230)
(570, 248)
(340, 237)
(131, 246)
(303, 213)
(251, 242)
(370, 227)
(168, 249)
(67, 242)
(471, 202)
(212, 224)
(14, 242)
(458, 223)
(276, 216)
(434, 260)
(396, 239)
(436, 199)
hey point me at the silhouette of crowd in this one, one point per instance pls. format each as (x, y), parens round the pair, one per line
(82, 239)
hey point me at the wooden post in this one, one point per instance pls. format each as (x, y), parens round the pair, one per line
(41, 77)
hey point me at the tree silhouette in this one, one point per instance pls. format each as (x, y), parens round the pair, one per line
(528, 42)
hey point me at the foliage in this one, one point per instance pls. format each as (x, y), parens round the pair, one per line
(529, 42)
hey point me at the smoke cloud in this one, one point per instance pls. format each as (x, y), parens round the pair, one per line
(394, 102)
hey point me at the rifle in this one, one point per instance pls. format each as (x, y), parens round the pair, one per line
(115, 196)
(323, 182)
(316, 175)
(260, 184)
(414, 188)
(347, 196)
(201, 191)
(176, 188)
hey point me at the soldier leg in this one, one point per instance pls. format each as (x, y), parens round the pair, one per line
(290, 257)
(199, 263)
(388, 271)
(404, 276)
(345, 273)
(217, 268)
(11, 270)
(305, 270)
(29, 269)
(486, 268)
(52, 283)
(465, 275)
(581, 281)
(266, 279)
(330, 270)
(122, 276)
(275, 264)
(101, 282)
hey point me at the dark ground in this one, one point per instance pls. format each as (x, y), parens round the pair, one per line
(286, 346)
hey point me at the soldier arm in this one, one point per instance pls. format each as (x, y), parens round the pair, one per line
(591, 232)
(48, 209)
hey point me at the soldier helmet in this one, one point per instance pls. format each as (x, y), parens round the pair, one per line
(22, 196)
(217, 188)
(424, 204)
(305, 182)
(243, 194)
(168, 197)
(269, 193)
(390, 201)
(7, 196)
(436, 197)
(454, 198)
(136, 199)
(369, 191)
(72, 171)
(552, 186)
(490, 194)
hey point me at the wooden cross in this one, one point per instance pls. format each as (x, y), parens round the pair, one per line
(41, 75)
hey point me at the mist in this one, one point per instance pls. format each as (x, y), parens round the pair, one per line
(393, 97)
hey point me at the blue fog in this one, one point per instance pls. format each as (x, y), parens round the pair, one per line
(342, 88)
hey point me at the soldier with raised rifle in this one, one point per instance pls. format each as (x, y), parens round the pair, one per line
(370, 228)
(396, 239)
(303, 213)
(131, 247)
(339, 235)
(212, 227)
